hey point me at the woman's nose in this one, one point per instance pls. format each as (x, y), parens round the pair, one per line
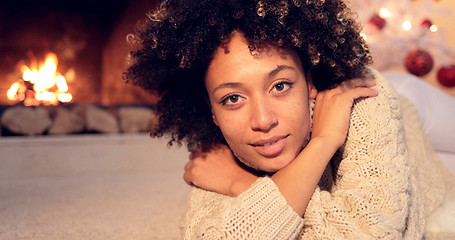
(263, 117)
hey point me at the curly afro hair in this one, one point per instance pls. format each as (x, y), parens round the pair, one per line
(177, 42)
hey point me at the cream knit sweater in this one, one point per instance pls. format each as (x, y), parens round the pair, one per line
(382, 184)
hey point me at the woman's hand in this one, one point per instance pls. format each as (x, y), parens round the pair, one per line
(217, 171)
(332, 110)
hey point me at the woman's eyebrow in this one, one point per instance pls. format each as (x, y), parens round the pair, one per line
(228, 85)
(278, 69)
(271, 74)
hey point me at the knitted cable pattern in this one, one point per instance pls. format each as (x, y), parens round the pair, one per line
(370, 194)
(435, 182)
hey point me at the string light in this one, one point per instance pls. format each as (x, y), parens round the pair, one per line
(384, 13)
(407, 25)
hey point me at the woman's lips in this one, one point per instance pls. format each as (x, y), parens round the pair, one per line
(272, 147)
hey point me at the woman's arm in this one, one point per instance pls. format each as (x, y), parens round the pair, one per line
(260, 212)
(218, 171)
(372, 197)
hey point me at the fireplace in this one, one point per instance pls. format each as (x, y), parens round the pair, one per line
(79, 47)
(87, 38)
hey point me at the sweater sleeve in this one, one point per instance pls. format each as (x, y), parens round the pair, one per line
(371, 194)
(261, 212)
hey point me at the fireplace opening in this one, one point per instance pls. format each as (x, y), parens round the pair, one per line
(41, 83)
(68, 54)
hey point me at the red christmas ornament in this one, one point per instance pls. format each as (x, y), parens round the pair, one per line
(419, 62)
(446, 76)
(426, 23)
(378, 22)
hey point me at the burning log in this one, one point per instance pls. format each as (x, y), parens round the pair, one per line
(40, 86)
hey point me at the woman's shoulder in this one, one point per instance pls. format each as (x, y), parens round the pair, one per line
(380, 109)
(379, 77)
(376, 123)
(387, 92)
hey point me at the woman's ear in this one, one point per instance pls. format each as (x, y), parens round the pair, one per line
(207, 100)
(312, 92)
(214, 120)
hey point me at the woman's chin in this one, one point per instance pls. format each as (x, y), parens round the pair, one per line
(273, 167)
(264, 164)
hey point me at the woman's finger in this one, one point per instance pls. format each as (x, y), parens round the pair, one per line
(357, 82)
(197, 154)
(187, 178)
(188, 175)
(187, 166)
(359, 92)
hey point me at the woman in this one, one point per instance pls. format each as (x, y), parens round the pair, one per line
(237, 79)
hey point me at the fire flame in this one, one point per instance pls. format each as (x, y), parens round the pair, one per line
(41, 86)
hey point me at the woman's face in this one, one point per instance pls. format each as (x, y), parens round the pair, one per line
(260, 103)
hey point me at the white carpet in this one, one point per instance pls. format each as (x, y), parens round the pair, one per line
(90, 187)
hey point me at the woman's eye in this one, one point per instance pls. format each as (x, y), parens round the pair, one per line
(282, 86)
(231, 100)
